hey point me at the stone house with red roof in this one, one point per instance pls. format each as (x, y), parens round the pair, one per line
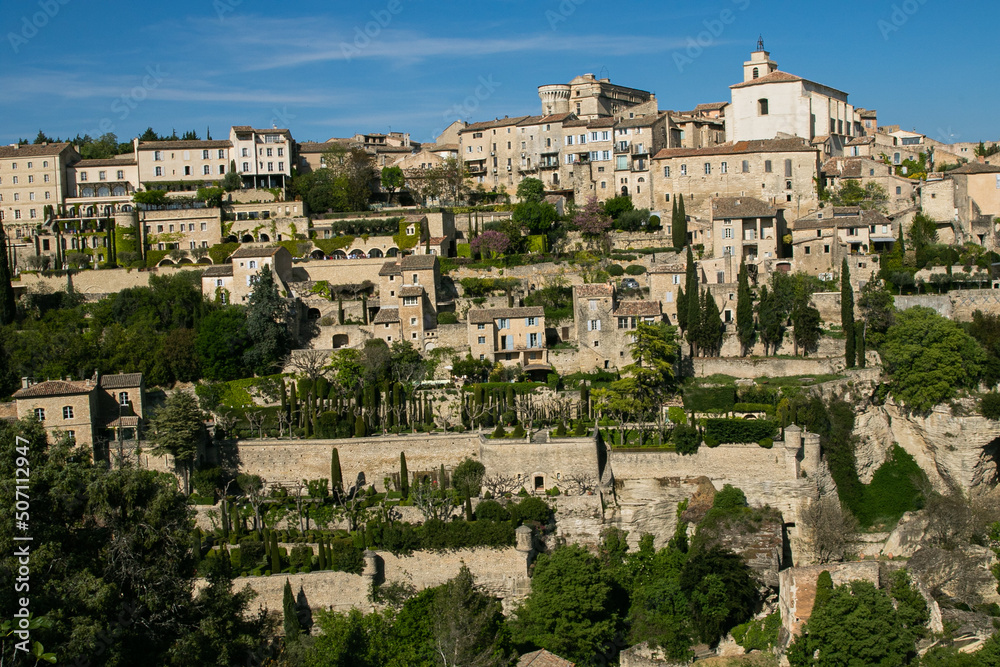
(605, 326)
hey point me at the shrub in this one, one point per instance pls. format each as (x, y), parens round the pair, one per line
(530, 509)
(635, 270)
(554, 491)
(754, 407)
(499, 431)
(301, 556)
(760, 634)
(518, 431)
(766, 443)
(561, 429)
(686, 439)
(615, 270)
(677, 415)
(989, 405)
(491, 510)
(447, 318)
(653, 223)
(251, 552)
(711, 441)
(580, 429)
(740, 430)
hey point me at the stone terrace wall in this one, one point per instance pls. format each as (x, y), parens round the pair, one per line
(755, 367)
(502, 572)
(105, 281)
(957, 304)
(552, 460)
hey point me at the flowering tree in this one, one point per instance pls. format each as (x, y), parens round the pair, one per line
(591, 220)
(490, 244)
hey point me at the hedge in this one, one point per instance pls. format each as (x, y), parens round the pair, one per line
(335, 243)
(753, 407)
(474, 287)
(615, 270)
(463, 250)
(220, 252)
(708, 399)
(154, 257)
(635, 270)
(447, 318)
(740, 430)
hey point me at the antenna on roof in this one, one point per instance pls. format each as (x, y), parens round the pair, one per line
(604, 73)
(760, 42)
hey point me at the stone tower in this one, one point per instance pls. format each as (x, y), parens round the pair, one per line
(760, 64)
(524, 544)
(555, 98)
(793, 442)
(810, 453)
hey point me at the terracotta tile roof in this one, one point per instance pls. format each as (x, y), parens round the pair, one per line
(641, 121)
(711, 106)
(121, 381)
(842, 216)
(316, 147)
(867, 113)
(861, 141)
(266, 130)
(638, 309)
(113, 162)
(741, 207)
(489, 124)
(552, 118)
(411, 290)
(418, 262)
(602, 122)
(55, 388)
(256, 252)
(386, 315)
(976, 168)
(163, 145)
(123, 422)
(668, 268)
(577, 122)
(486, 315)
(594, 289)
(33, 150)
(220, 271)
(543, 658)
(774, 77)
(794, 144)
(438, 240)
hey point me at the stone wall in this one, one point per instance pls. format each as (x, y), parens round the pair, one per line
(339, 271)
(106, 281)
(755, 367)
(957, 304)
(827, 347)
(552, 461)
(797, 590)
(501, 572)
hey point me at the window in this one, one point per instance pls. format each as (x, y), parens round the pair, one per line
(158, 156)
(767, 166)
(71, 435)
(83, 177)
(708, 167)
(40, 414)
(684, 170)
(218, 282)
(594, 325)
(592, 303)
(532, 340)
(530, 321)
(788, 168)
(204, 226)
(762, 107)
(159, 229)
(503, 323)
(253, 264)
(746, 166)
(756, 72)
(68, 412)
(45, 178)
(120, 174)
(413, 321)
(899, 190)
(206, 170)
(724, 168)
(245, 153)
(409, 301)
(727, 232)
(222, 153)
(204, 154)
(270, 152)
(187, 170)
(270, 166)
(482, 340)
(807, 250)
(826, 249)
(666, 172)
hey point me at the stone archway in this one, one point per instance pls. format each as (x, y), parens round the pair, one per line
(317, 254)
(341, 340)
(392, 252)
(375, 253)
(246, 239)
(264, 238)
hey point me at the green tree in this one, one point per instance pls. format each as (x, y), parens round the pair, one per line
(856, 626)
(404, 476)
(221, 343)
(721, 590)
(570, 610)
(877, 311)
(7, 308)
(266, 325)
(710, 329)
(847, 313)
(467, 624)
(746, 328)
(536, 217)
(291, 617)
(178, 429)
(872, 196)
(467, 478)
(806, 323)
(351, 176)
(530, 190)
(929, 357)
(692, 299)
(617, 206)
(910, 604)
(771, 320)
(392, 180)
(336, 476)
(679, 230)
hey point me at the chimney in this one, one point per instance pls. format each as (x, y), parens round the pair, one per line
(25, 382)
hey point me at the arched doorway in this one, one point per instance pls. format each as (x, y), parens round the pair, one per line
(375, 253)
(340, 340)
(314, 314)
(392, 252)
(205, 260)
(357, 254)
(317, 254)
(264, 238)
(338, 254)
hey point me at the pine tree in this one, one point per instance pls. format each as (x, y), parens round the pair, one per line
(7, 308)
(847, 314)
(336, 476)
(292, 627)
(404, 476)
(745, 327)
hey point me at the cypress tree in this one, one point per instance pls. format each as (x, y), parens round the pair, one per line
(691, 297)
(322, 554)
(359, 427)
(468, 509)
(364, 309)
(711, 325)
(293, 405)
(745, 328)
(336, 476)
(694, 309)
(682, 221)
(340, 310)
(234, 520)
(196, 542)
(404, 476)
(275, 554)
(7, 308)
(442, 479)
(267, 543)
(284, 398)
(824, 590)
(682, 313)
(675, 228)
(291, 620)
(429, 413)
(847, 314)
(859, 335)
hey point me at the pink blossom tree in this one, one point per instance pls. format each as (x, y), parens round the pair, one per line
(591, 220)
(490, 244)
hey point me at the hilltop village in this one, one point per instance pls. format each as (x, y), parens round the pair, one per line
(610, 384)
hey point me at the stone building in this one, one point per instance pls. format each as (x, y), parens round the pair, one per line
(264, 157)
(510, 336)
(901, 190)
(821, 240)
(233, 282)
(779, 172)
(606, 326)
(665, 281)
(195, 163)
(102, 187)
(769, 103)
(32, 177)
(746, 229)
(589, 97)
(91, 412)
(408, 301)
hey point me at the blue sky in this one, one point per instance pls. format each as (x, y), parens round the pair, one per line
(69, 66)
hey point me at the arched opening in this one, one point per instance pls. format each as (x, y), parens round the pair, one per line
(205, 260)
(119, 191)
(357, 254)
(317, 254)
(232, 239)
(246, 239)
(340, 340)
(314, 314)
(166, 261)
(126, 208)
(103, 191)
(624, 191)
(184, 260)
(375, 253)
(264, 238)
(392, 252)
(756, 72)
(338, 254)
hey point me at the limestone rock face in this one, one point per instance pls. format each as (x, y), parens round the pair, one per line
(955, 451)
(908, 536)
(963, 574)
